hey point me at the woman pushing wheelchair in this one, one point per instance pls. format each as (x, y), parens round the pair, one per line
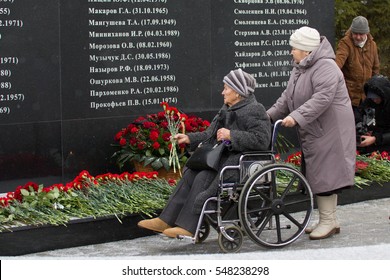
(316, 101)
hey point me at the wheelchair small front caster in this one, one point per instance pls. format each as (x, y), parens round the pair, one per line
(232, 244)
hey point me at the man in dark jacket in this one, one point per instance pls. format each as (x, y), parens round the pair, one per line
(357, 57)
(373, 120)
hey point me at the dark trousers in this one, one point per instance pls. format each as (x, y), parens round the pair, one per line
(179, 208)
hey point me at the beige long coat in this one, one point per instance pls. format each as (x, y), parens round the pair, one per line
(317, 98)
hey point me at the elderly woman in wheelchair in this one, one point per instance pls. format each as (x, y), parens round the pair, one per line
(242, 123)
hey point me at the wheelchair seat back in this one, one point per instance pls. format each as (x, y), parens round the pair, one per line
(251, 162)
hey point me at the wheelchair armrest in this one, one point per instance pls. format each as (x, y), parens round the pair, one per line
(256, 153)
(251, 153)
(256, 156)
(227, 168)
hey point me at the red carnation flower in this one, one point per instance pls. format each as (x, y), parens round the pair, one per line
(161, 115)
(3, 202)
(149, 125)
(361, 165)
(139, 119)
(141, 145)
(134, 130)
(166, 136)
(164, 124)
(206, 123)
(133, 141)
(156, 145)
(295, 158)
(118, 136)
(172, 182)
(122, 142)
(189, 127)
(153, 135)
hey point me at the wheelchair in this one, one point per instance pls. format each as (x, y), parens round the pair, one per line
(271, 203)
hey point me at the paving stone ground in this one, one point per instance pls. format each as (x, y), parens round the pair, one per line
(364, 226)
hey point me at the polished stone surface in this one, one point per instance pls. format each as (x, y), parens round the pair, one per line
(62, 125)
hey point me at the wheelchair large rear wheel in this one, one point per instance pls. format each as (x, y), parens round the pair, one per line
(275, 205)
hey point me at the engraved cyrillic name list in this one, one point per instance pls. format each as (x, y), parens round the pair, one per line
(129, 49)
(29, 61)
(261, 38)
(10, 96)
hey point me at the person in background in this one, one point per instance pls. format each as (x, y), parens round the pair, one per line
(244, 123)
(373, 120)
(316, 101)
(357, 57)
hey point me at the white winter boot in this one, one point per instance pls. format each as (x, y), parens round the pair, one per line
(327, 225)
(310, 229)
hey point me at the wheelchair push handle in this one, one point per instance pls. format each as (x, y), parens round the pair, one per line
(275, 131)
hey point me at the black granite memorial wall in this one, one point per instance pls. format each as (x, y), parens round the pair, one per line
(73, 72)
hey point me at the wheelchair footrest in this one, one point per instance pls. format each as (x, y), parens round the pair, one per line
(185, 237)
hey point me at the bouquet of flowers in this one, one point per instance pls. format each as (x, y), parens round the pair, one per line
(175, 122)
(149, 139)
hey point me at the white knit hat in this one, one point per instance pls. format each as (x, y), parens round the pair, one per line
(241, 82)
(305, 39)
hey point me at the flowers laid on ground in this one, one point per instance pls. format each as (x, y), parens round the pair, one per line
(374, 167)
(295, 159)
(86, 196)
(148, 139)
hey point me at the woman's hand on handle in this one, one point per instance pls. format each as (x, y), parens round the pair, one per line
(289, 122)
